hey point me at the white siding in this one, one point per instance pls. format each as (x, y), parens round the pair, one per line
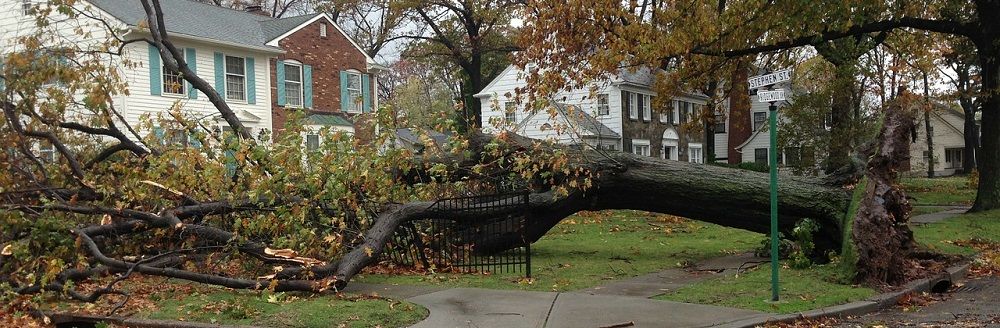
(139, 101)
(948, 133)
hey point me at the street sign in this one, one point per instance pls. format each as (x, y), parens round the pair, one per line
(770, 96)
(769, 79)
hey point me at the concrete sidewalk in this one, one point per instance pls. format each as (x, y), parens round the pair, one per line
(947, 212)
(615, 303)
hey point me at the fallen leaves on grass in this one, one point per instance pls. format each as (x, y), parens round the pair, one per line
(804, 323)
(988, 262)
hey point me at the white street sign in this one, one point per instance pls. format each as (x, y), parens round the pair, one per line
(770, 96)
(769, 79)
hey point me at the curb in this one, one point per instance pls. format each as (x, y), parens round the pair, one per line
(875, 303)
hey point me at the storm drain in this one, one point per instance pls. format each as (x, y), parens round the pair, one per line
(971, 286)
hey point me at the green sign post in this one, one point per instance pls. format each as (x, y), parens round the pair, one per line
(772, 97)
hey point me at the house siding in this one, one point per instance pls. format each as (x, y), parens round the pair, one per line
(328, 56)
(948, 133)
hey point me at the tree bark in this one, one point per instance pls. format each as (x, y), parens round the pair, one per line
(928, 107)
(988, 195)
(724, 196)
(880, 232)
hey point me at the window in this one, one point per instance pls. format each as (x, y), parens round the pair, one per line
(529, 68)
(603, 105)
(953, 157)
(173, 83)
(720, 123)
(46, 151)
(695, 112)
(630, 103)
(668, 113)
(322, 30)
(793, 156)
(510, 112)
(293, 85)
(354, 91)
(236, 78)
(312, 142)
(177, 138)
(647, 112)
(758, 120)
(608, 147)
(640, 147)
(26, 7)
(695, 154)
(760, 155)
(684, 108)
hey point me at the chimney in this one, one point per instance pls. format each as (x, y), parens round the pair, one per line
(256, 9)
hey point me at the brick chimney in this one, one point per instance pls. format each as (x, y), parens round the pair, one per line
(257, 10)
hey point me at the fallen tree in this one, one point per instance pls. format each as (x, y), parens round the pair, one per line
(134, 203)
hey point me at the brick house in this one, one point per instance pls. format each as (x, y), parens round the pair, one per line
(321, 71)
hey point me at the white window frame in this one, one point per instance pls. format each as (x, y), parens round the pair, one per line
(640, 147)
(177, 138)
(767, 155)
(322, 30)
(954, 163)
(603, 104)
(164, 73)
(633, 105)
(227, 74)
(356, 106)
(26, 6)
(47, 151)
(306, 140)
(700, 159)
(301, 93)
(510, 112)
(647, 108)
(676, 112)
(753, 120)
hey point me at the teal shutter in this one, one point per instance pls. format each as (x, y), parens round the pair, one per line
(220, 74)
(155, 72)
(251, 81)
(3, 76)
(345, 103)
(193, 141)
(366, 90)
(192, 60)
(307, 86)
(158, 135)
(279, 77)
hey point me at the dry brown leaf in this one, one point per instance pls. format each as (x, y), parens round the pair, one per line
(7, 250)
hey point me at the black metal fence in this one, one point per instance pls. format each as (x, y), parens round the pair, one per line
(474, 234)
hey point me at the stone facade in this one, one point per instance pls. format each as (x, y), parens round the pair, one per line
(328, 56)
(653, 128)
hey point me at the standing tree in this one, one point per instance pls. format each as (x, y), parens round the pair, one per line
(470, 35)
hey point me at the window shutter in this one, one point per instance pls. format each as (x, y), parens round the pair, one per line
(220, 74)
(158, 134)
(251, 81)
(155, 72)
(193, 141)
(3, 77)
(366, 89)
(641, 105)
(279, 76)
(345, 103)
(192, 61)
(307, 86)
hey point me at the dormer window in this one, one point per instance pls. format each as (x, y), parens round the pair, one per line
(26, 7)
(322, 30)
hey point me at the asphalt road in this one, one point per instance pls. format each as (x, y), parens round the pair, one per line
(974, 303)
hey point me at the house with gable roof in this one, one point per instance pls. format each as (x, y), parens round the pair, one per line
(614, 114)
(262, 66)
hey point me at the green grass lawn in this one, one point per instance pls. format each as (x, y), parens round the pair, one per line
(801, 290)
(940, 236)
(590, 249)
(939, 191)
(286, 310)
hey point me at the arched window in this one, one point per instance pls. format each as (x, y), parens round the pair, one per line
(670, 142)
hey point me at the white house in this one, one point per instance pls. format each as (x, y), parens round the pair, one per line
(614, 114)
(225, 47)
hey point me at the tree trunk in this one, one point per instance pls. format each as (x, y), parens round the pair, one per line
(840, 127)
(739, 112)
(928, 107)
(880, 232)
(971, 136)
(988, 195)
(724, 196)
